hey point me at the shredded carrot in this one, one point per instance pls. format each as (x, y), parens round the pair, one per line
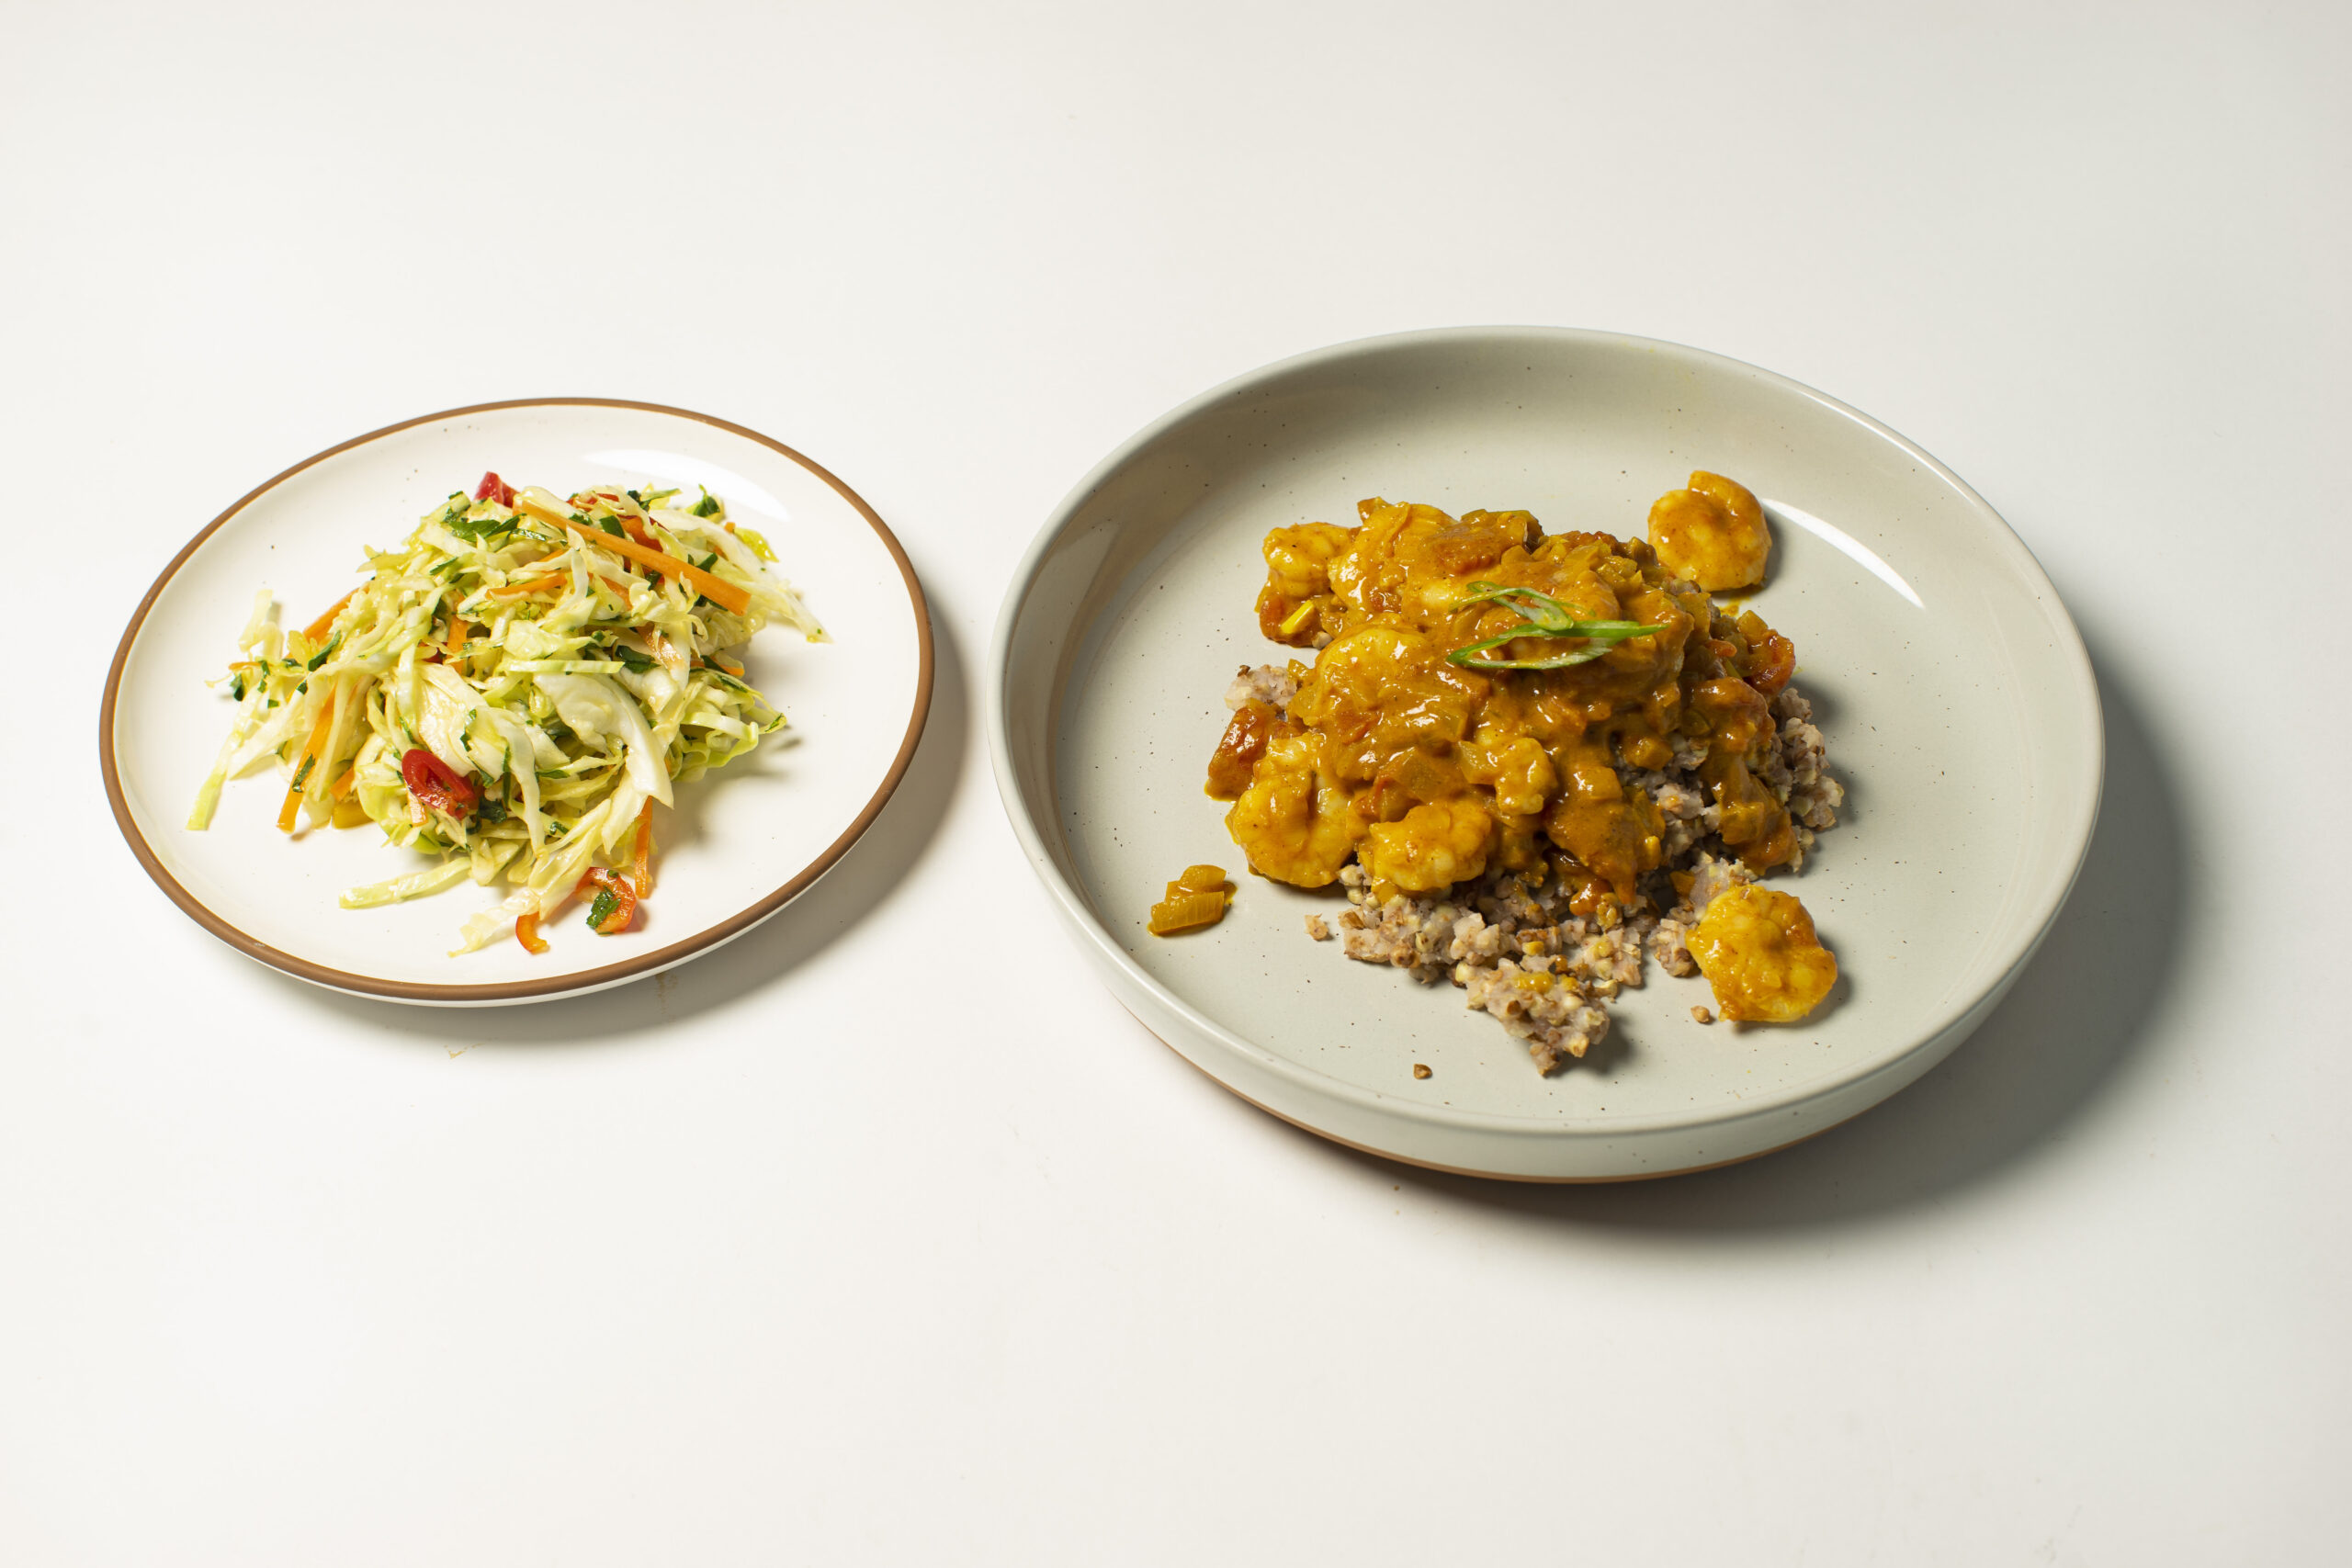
(342, 786)
(640, 868)
(515, 590)
(549, 580)
(526, 932)
(303, 765)
(317, 629)
(719, 590)
(459, 631)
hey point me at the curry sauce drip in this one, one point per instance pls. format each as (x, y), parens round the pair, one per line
(1429, 773)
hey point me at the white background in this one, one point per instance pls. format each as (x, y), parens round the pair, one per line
(884, 1235)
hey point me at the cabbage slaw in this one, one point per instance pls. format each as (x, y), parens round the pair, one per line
(513, 690)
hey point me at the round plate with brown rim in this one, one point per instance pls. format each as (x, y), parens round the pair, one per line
(744, 840)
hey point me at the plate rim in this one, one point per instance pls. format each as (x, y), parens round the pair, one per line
(572, 982)
(1105, 950)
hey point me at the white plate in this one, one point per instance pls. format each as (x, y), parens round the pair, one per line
(1958, 703)
(743, 841)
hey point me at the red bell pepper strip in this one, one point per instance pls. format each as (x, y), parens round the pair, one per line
(619, 911)
(493, 488)
(433, 785)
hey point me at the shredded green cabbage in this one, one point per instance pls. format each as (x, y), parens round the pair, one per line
(586, 684)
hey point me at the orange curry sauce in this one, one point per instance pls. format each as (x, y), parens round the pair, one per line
(1430, 772)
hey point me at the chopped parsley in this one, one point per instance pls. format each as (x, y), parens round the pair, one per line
(475, 530)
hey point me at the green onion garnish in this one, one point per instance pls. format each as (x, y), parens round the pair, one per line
(1545, 616)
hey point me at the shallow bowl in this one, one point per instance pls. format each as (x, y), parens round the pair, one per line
(1956, 698)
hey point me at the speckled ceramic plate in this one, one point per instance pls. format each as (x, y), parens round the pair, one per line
(743, 841)
(1954, 693)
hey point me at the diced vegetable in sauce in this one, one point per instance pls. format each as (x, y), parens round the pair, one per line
(1196, 901)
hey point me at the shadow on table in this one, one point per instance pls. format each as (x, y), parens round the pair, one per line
(2074, 1017)
(858, 883)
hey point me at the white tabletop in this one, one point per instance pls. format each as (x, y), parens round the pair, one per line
(781, 1259)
